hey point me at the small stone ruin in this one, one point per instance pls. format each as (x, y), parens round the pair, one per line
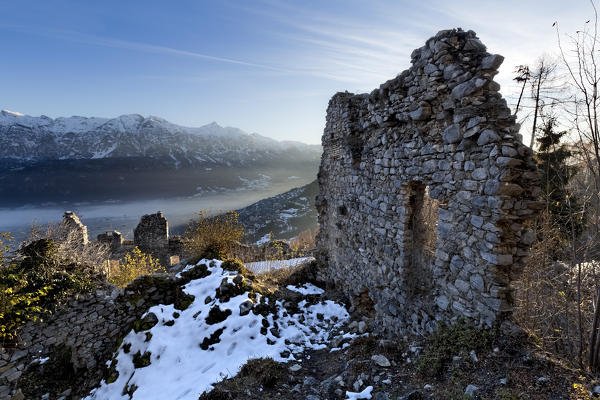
(426, 191)
(113, 239)
(72, 228)
(152, 233)
(151, 236)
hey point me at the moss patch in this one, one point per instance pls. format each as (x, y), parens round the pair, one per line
(141, 360)
(265, 371)
(449, 341)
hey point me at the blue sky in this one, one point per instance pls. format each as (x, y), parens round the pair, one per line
(266, 66)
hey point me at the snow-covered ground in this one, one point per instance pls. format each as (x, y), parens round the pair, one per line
(307, 288)
(265, 266)
(180, 369)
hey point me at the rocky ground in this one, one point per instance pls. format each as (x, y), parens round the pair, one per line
(457, 363)
(308, 354)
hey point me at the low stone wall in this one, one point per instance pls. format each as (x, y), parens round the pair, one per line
(426, 190)
(89, 327)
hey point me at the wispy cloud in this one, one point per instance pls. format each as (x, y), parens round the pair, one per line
(357, 49)
(77, 37)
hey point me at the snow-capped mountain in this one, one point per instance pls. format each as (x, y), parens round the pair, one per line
(78, 159)
(27, 138)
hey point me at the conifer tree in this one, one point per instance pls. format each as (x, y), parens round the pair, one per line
(553, 162)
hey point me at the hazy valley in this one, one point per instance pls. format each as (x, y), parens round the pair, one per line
(112, 171)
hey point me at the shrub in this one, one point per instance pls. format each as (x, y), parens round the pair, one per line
(303, 244)
(265, 371)
(135, 264)
(5, 238)
(213, 237)
(68, 246)
(449, 341)
(34, 285)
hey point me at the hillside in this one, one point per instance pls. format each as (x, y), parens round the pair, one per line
(135, 157)
(283, 216)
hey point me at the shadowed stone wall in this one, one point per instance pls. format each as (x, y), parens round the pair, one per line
(152, 233)
(441, 130)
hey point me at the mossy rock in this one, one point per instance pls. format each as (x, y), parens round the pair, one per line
(198, 272)
(183, 300)
(128, 390)
(266, 371)
(145, 323)
(214, 338)
(216, 315)
(141, 360)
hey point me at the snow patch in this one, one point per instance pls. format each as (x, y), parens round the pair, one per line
(264, 266)
(307, 288)
(263, 240)
(365, 394)
(180, 369)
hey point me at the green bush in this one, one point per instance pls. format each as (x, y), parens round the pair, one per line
(213, 237)
(34, 285)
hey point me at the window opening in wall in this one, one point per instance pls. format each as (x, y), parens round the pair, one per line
(422, 237)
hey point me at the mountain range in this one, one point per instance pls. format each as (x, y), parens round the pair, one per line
(130, 157)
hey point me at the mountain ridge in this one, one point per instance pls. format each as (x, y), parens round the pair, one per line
(27, 138)
(46, 160)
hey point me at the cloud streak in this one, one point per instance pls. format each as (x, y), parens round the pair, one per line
(77, 37)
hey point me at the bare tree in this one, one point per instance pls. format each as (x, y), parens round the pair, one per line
(523, 76)
(580, 62)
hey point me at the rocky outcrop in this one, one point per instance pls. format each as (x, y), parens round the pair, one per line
(437, 149)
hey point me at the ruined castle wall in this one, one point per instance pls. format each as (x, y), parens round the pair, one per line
(438, 130)
(89, 326)
(152, 233)
(73, 229)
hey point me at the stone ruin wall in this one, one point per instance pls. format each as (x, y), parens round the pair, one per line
(441, 130)
(72, 228)
(90, 326)
(151, 236)
(152, 233)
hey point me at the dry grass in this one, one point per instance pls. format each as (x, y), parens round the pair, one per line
(213, 237)
(546, 301)
(304, 244)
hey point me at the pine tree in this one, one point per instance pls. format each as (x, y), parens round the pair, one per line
(553, 162)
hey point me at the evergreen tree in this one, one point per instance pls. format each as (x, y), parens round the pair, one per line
(553, 162)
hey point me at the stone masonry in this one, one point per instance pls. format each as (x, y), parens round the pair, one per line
(438, 130)
(152, 233)
(90, 326)
(72, 226)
